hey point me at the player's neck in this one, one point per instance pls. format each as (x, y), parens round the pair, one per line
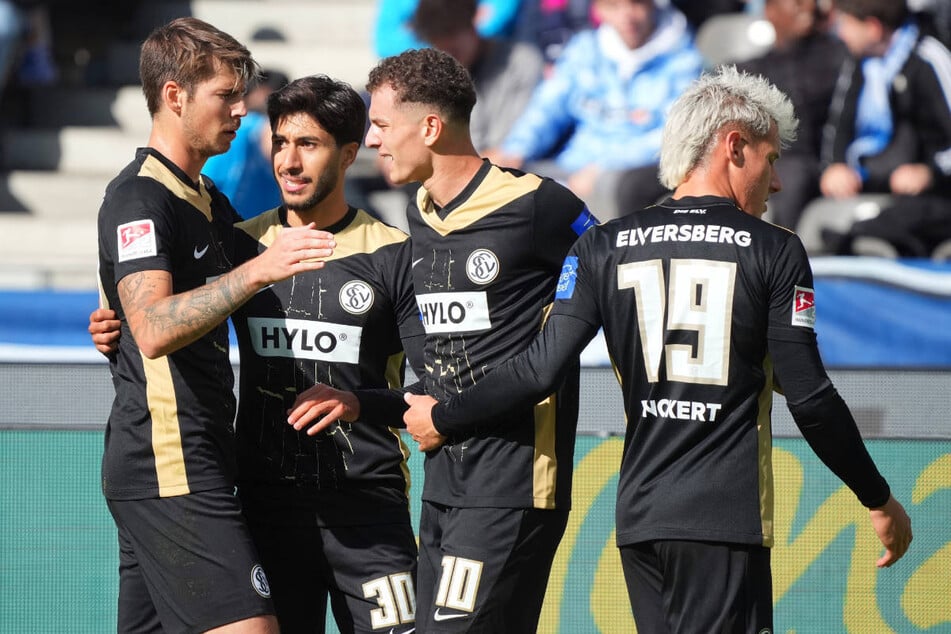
(451, 174)
(177, 151)
(326, 213)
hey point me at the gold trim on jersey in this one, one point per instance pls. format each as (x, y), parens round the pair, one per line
(166, 431)
(263, 227)
(545, 466)
(393, 374)
(364, 235)
(103, 299)
(201, 200)
(764, 429)
(496, 190)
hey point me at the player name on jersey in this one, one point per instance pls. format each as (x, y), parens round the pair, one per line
(454, 312)
(680, 410)
(320, 341)
(715, 234)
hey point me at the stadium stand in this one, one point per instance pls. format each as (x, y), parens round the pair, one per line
(63, 143)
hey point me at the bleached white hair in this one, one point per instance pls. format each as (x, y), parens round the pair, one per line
(725, 97)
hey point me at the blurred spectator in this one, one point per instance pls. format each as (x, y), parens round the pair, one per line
(601, 112)
(504, 72)
(804, 63)
(937, 15)
(697, 11)
(243, 173)
(890, 125)
(11, 32)
(549, 24)
(36, 66)
(393, 32)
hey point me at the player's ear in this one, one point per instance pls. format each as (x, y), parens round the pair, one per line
(173, 96)
(734, 142)
(348, 154)
(432, 128)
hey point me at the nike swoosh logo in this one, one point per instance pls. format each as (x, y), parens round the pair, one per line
(200, 254)
(393, 631)
(446, 617)
(415, 262)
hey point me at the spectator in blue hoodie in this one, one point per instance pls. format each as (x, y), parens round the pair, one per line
(600, 114)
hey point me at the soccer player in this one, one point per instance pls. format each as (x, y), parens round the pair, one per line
(704, 306)
(487, 247)
(166, 248)
(327, 512)
(345, 326)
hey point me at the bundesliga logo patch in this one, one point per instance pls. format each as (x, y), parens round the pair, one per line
(804, 307)
(136, 240)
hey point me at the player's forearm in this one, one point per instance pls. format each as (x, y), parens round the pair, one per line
(829, 428)
(164, 324)
(382, 406)
(825, 420)
(521, 381)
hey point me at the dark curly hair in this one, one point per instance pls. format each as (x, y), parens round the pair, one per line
(430, 77)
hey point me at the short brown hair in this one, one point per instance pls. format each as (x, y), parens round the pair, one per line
(891, 13)
(427, 76)
(435, 18)
(188, 51)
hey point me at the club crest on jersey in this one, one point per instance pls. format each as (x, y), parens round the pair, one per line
(482, 266)
(356, 297)
(259, 581)
(136, 240)
(804, 307)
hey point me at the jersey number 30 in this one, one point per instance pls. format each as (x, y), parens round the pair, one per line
(700, 300)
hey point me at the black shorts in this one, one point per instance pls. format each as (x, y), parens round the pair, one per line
(484, 569)
(369, 571)
(686, 586)
(186, 564)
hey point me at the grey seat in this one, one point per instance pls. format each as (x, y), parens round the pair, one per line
(837, 215)
(733, 37)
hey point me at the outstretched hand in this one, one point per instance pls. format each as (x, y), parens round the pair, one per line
(419, 421)
(893, 527)
(322, 401)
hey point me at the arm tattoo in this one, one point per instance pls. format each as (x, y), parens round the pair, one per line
(169, 322)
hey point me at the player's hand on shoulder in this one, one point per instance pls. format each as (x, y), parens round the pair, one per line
(319, 407)
(104, 329)
(294, 250)
(419, 421)
(893, 527)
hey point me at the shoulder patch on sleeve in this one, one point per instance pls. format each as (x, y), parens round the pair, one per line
(136, 240)
(584, 222)
(566, 280)
(804, 307)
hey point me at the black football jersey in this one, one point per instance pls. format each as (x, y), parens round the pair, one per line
(484, 270)
(688, 292)
(342, 326)
(170, 431)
